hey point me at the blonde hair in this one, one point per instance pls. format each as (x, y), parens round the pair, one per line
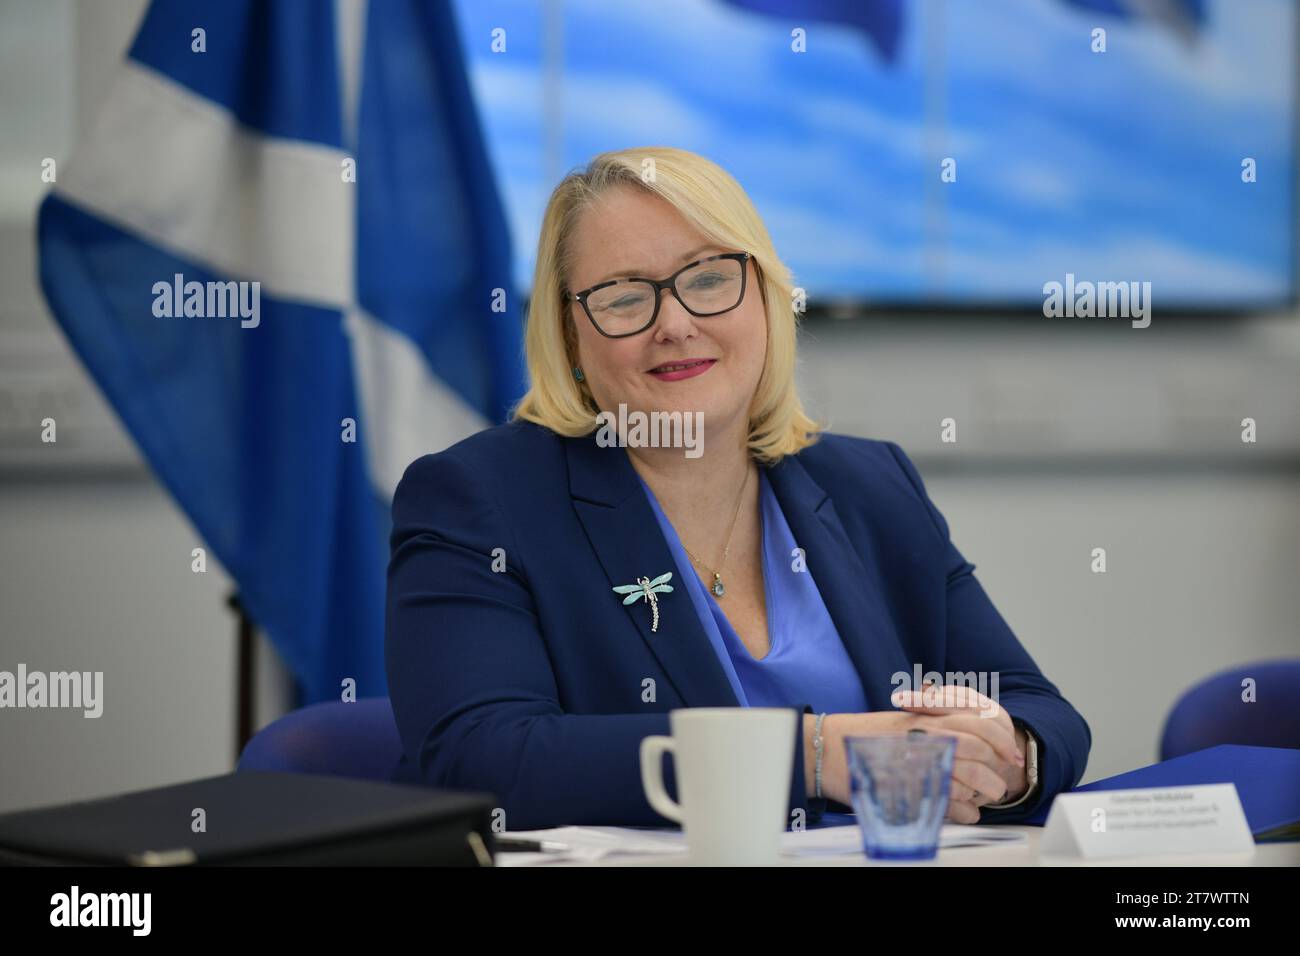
(712, 201)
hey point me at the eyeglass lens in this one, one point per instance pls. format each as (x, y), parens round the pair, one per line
(707, 289)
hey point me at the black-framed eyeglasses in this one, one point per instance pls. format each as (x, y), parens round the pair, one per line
(622, 307)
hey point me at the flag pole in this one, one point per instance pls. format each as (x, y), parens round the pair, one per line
(245, 662)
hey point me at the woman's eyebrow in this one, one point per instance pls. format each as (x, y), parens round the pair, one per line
(685, 258)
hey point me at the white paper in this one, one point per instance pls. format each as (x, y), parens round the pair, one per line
(834, 841)
(590, 844)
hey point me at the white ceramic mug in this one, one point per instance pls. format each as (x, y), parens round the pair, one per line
(732, 767)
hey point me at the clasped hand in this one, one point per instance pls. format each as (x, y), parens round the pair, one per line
(989, 763)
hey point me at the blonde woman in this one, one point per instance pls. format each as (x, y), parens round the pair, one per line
(767, 561)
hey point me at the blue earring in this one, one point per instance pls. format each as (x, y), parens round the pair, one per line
(577, 374)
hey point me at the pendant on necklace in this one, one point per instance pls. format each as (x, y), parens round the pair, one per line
(718, 589)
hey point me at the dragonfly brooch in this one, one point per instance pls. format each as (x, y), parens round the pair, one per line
(645, 588)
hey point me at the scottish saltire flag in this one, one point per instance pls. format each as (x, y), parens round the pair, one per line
(280, 253)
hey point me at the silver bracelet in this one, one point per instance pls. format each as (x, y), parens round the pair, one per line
(817, 745)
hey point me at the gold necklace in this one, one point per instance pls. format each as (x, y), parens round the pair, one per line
(717, 587)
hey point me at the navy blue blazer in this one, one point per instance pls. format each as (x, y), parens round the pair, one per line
(515, 669)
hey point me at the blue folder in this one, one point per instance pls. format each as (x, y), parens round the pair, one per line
(1267, 779)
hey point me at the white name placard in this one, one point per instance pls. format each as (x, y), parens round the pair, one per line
(1152, 822)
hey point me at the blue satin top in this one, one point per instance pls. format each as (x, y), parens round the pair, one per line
(806, 660)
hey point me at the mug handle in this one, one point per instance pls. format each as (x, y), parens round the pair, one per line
(652, 750)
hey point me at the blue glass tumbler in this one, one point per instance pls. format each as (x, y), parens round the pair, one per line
(900, 785)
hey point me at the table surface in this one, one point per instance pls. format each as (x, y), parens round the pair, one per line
(1023, 854)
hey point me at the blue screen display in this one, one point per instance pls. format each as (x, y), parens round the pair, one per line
(959, 152)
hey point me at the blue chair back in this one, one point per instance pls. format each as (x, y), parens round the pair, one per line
(342, 739)
(1213, 712)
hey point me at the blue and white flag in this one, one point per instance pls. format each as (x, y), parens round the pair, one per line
(281, 254)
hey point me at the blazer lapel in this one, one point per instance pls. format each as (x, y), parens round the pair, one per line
(850, 592)
(627, 539)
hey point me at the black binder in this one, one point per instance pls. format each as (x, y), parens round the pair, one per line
(257, 818)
